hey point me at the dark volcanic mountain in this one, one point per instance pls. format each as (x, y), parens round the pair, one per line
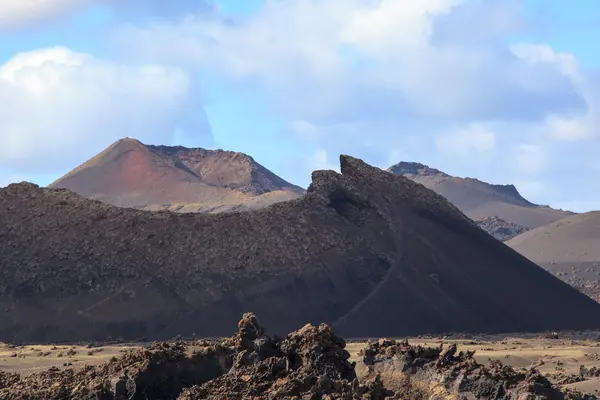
(480, 200)
(369, 252)
(131, 174)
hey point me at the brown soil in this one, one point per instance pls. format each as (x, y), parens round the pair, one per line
(478, 199)
(569, 240)
(568, 248)
(131, 174)
(367, 252)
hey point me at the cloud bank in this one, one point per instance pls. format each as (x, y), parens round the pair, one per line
(58, 107)
(23, 13)
(444, 82)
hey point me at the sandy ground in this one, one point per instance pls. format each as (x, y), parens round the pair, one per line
(33, 358)
(555, 358)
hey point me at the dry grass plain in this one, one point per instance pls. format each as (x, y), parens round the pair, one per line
(559, 359)
(36, 358)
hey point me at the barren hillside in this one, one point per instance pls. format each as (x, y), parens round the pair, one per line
(569, 248)
(498, 209)
(372, 253)
(131, 174)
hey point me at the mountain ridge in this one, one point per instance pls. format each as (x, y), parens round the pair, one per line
(336, 255)
(484, 202)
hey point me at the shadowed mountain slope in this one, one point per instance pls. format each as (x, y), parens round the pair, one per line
(131, 174)
(372, 253)
(480, 200)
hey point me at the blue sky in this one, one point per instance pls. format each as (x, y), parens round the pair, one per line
(504, 91)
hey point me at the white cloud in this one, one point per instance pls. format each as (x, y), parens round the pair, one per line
(372, 78)
(305, 130)
(58, 107)
(532, 190)
(582, 125)
(6, 180)
(473, 141)
(386, 77)
(355, 59)
(529, 159)
(17, 12)
(319, 161)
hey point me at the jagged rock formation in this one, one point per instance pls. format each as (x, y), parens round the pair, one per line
(310, 363)
(499, 228)
(366, 251)
(436, 373)
(413, 168)
(478, 199)
(131, 174)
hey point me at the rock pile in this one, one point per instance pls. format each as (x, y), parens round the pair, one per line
(311, 363)
(424, 373)
(499, 228)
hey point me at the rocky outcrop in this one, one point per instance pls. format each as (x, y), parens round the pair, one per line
(425, 373)
(413, 168)
(499, 228)
(310, 363)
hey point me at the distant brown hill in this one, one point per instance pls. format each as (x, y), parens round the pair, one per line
(131, 174)
(480, 200)
(569, 248)
(369, 252)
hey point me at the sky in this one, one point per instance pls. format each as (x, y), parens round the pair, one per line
(506, 91)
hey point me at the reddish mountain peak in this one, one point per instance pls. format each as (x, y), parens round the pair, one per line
(131, 174)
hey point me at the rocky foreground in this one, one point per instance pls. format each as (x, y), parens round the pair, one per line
(310, 363)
